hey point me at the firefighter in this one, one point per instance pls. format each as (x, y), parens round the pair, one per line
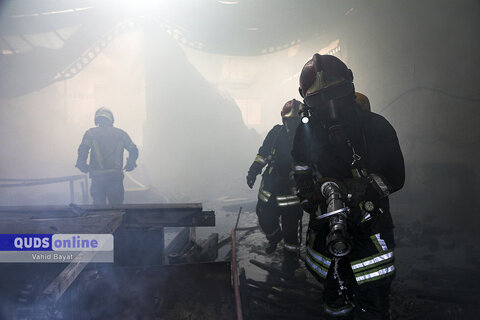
(277, 194)
(106, 144)
(341, 141)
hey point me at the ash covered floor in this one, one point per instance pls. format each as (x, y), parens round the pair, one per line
(437, 277)
(437, 269)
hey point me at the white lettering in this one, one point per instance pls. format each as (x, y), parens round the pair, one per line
(18, 243)
(41, 256)
(45, 243)
(37, 242)
(62, 257)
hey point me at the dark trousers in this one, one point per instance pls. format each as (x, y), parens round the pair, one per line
(107, 188)
(371, 300)
(269, 214)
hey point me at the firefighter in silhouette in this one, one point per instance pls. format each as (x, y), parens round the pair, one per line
(106, 145)
(340, 140)
(277, 194)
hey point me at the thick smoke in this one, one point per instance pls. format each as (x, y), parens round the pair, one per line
(417, 61)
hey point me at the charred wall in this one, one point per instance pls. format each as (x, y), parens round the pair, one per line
(418, 62)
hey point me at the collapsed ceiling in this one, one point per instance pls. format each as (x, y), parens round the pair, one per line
(46, 41)
(243, 27)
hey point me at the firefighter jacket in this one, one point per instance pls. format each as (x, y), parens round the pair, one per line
(277, 179)
(107, 145)
(373, 155)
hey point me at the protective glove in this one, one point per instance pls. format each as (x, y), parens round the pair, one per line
(251, 179)
(357, 188)
(82, 167)
(308, 203)
(130, 165)
(306, 193)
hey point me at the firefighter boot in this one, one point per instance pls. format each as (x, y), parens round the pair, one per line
(271, 247)
(273, 239)
(290, 261)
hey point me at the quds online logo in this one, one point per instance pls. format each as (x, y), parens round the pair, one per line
(56, 242)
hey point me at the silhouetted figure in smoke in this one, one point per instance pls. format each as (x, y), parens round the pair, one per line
(356, 150)
(106, 144)
(277, 194)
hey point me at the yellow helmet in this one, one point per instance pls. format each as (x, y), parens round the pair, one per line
(363, 101)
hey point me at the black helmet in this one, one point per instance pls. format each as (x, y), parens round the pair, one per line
(291, 108)
(324, 78)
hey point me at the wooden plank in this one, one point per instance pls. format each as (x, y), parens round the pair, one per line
(178, 246)
(95, 223)
(209, 251)
(137, 215)
(167, 218)
(206, 251)
(63, 281)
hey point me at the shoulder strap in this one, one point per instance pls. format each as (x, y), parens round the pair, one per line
(365, 156)
(96, 150)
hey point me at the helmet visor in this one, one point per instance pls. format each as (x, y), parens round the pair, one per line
(323, 82)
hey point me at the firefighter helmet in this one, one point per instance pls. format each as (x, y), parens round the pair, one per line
(291, 115)
(323, 78)
(291, 108)
(105, 113)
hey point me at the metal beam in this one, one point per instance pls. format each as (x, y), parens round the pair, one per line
(143, 206)
(136, 215)
(69, 223)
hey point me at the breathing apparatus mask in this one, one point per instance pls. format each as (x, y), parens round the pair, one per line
(291, 124)
(332, 115)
